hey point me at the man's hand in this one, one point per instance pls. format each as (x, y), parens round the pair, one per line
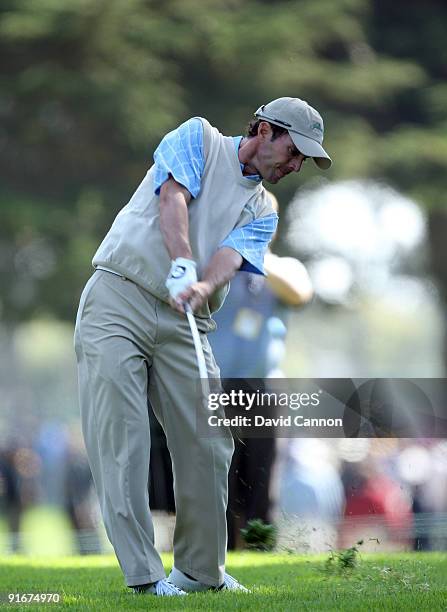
(183, 274)
(196, 295)
(222, 267)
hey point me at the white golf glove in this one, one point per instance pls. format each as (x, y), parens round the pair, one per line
(182, 274)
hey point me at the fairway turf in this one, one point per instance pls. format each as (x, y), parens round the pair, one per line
(283, 582)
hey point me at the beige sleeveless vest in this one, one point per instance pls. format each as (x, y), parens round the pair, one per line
(134, 245)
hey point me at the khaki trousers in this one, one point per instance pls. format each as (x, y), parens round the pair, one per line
(130, 346)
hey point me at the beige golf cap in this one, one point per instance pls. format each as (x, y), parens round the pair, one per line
(303, 123)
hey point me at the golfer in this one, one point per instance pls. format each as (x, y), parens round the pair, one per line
(200, 214)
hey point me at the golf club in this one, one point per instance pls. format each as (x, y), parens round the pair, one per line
(203, 372)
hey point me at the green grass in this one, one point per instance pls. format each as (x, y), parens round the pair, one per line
(283, 582)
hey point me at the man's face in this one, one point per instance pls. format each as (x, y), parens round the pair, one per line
(277, 158)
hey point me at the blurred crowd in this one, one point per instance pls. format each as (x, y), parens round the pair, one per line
(48, 467)
(390, 493)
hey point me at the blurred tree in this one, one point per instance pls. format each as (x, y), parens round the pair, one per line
(413, 154)
(89, 88)
(86, 87)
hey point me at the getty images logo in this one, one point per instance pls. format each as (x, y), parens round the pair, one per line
(252, 400)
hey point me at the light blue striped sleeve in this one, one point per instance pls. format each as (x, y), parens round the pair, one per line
(251, 241)
(180, 153)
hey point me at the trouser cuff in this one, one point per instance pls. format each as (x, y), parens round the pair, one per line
(144, 578)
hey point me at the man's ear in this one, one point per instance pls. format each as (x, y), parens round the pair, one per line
(265, 130)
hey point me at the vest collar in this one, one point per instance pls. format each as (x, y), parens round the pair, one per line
(243, 180)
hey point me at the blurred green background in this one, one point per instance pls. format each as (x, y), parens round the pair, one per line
(88, 89)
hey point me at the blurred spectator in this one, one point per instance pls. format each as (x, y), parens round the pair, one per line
(161, 492)
(377, 507)
(78, 498)
(422, 466)
(51, 445)
(249, 344)
(419, 507)
(19, 472)
(310, 485)
(10, 505)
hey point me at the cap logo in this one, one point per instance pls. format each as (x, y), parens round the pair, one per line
(316, 126)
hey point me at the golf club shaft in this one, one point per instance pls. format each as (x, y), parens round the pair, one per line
(197, 343)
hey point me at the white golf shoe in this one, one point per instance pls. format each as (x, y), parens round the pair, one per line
(162, 588)
(193, 586)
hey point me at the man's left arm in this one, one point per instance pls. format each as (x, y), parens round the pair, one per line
(243, 249)
(251, 241)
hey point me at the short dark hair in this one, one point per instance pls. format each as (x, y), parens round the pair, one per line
(252, 129)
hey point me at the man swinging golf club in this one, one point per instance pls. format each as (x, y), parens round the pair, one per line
(200, 214)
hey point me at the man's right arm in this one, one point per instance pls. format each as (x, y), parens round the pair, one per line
(174, 226)
(179, 164)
